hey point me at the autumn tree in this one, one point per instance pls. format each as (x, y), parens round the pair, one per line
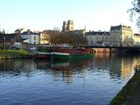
(71, 38)
(47, 35)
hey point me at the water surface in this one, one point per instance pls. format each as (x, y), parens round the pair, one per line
(82, 82)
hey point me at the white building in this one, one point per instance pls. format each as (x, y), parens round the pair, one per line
(136, 39)
(31, 38)
(121, 35)
(98, 38)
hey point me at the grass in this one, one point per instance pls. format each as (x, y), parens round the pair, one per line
(125, 94)
(13, 53)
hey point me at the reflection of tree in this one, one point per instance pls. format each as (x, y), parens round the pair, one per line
(68, 69)
(15, 67)
(63, 69)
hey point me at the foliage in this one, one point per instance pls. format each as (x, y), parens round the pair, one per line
(48, 35)
(135, 12)
(71, 38)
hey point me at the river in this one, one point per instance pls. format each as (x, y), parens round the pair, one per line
(93, 81)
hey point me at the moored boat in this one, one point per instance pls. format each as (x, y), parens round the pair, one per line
(71, 53)
(63, 53)
(43, 53)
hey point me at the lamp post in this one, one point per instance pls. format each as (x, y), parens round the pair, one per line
(4, 43)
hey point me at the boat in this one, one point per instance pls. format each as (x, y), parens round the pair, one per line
(63, 53)
(68, 53)
(43, 52)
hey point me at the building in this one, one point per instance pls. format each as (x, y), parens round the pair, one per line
(136, 39)
(31, 37)
(45, 36)
(98, 38)
(10, 41)
(68, 25)
(121, 35)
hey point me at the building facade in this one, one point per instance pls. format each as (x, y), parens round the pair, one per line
(10, 41)
(31, 37)
(121, 35)
(98, 38)
(43, 37)
(136, 39)
(68, 25)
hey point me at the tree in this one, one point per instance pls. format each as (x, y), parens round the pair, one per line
(135, 12)
(71, 38)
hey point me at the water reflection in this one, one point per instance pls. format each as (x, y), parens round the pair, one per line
(122, 67)
(119, 66)
(65, 69)
(16, 67)
(81, 82)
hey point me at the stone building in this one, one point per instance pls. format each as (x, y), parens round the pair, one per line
(121, 35)
(98, 38)
(136, 39)
(68, 25)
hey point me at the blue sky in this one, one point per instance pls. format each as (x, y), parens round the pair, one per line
(48, 14)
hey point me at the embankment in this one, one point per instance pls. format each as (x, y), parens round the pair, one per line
(130, 94)
(7, 54)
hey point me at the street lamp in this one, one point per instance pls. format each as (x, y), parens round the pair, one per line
(4, 43)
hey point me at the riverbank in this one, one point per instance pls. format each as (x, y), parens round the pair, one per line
(7, 54)
(130, 94)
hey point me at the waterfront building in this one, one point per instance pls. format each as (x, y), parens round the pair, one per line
(121, 35)
(98, 38)
(43, 37)
(136, 39)
(31, 37)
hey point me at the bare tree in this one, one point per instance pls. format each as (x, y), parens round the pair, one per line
(135, 12)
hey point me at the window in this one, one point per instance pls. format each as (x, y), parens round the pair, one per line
(34, 37)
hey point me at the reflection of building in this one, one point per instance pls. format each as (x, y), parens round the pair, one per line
(101, 60)
(98, 38)
(121, 36)
(118, 66)
(122, 66)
